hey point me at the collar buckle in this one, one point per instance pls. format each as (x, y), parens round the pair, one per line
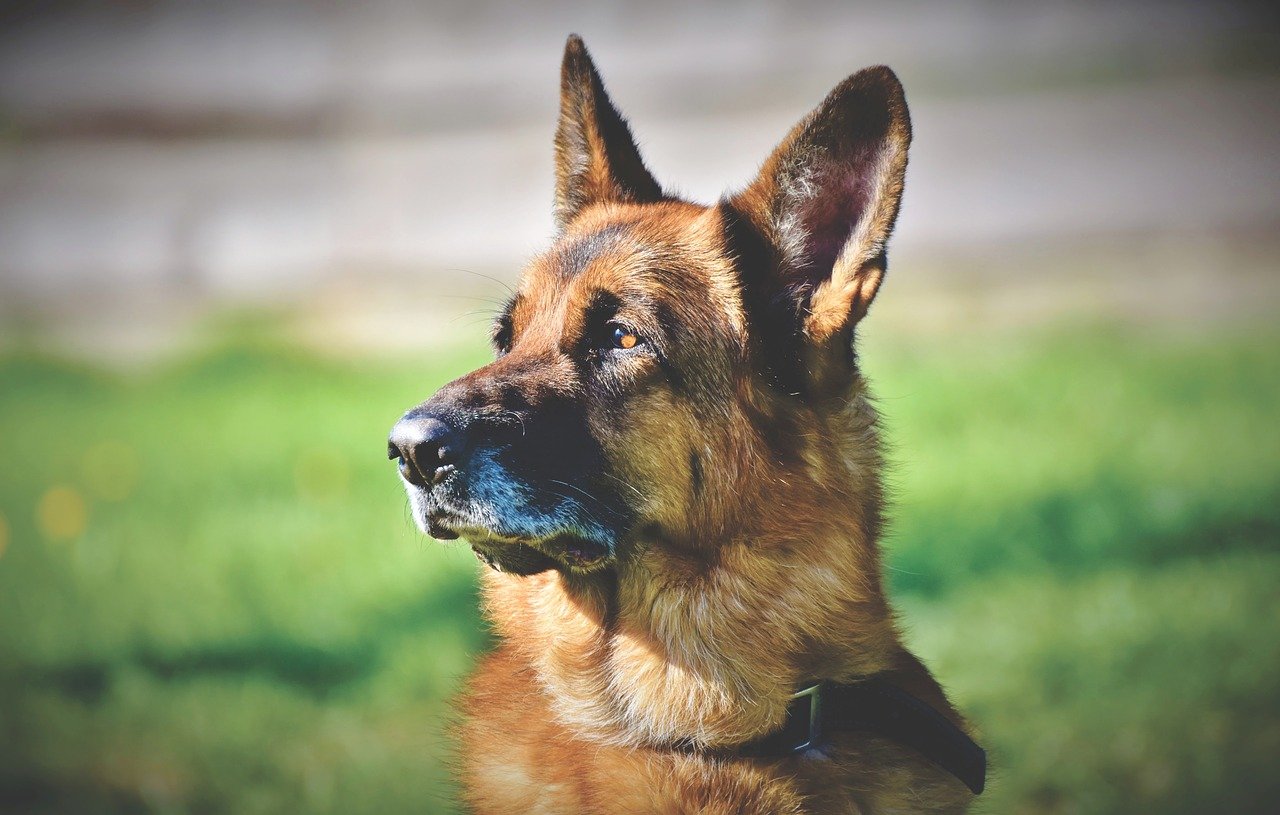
(805, 711)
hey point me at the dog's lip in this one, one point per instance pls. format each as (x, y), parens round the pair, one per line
(446, 526)
(439, 531)
(573, 550)
(570, 549)
(443, 526)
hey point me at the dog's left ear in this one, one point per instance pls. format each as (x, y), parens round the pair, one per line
(596, 157)
(825, 203)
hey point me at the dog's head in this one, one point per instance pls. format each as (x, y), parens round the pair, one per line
(665, 367)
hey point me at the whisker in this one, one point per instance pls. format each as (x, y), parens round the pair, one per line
(500, 282)
(584, 511)
(588, 496)
(625, 484)
(518, 418)
(496, 303)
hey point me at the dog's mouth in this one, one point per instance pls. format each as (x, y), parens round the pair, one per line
(522, 555)
(514, 558)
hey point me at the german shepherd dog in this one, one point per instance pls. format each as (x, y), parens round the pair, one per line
(672, 469)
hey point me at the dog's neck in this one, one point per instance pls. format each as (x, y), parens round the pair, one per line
(652, 652)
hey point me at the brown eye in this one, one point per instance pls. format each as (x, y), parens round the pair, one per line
(624, 338)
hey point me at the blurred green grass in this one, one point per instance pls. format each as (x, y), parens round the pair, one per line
(212, 598)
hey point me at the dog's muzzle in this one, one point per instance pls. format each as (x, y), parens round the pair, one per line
(460, 488)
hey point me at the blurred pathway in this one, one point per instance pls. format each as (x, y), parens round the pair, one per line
(170, 158)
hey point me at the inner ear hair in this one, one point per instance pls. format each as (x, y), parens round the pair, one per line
(827, 198)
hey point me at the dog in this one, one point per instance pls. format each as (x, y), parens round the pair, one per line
(673, 470)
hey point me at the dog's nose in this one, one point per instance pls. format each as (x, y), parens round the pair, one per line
(427, 447)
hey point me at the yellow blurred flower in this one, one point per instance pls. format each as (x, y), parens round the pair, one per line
(4, 534)
(61, 514)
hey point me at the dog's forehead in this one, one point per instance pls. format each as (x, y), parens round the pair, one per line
(670, 250)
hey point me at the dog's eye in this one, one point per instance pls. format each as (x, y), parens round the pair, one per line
(622, 337)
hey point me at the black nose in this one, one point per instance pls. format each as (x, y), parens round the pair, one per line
(428, 448)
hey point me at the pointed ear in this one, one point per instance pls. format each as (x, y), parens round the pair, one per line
(826, 199)
(596, 157)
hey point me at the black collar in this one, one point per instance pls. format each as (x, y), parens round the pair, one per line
(875, 705)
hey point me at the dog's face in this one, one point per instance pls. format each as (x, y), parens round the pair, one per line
(664, 367)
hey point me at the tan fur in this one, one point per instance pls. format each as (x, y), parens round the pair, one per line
(754, 567)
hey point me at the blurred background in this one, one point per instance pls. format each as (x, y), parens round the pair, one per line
(237, 239)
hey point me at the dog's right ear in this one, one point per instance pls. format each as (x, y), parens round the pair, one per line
(596, 156)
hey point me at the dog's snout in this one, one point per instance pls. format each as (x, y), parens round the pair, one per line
(427, 447)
